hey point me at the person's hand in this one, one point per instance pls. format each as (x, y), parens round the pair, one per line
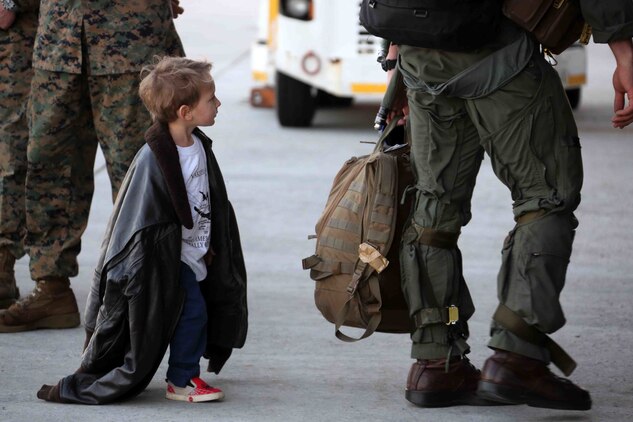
(176, 10)
(400, 106)
(622, 83)
(7, 18)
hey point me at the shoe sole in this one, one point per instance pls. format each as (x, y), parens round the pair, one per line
(195, 399)
(446, 399)
(508, 395)
(55, 321)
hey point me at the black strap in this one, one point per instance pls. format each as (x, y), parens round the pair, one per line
(388, 64)
(512, 322)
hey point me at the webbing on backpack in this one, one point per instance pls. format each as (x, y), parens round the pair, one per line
(376, 236)
(354, 234)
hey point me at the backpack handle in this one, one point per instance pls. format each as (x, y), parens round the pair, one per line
(386, 132)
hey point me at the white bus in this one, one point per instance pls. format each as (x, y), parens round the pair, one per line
(313, 52)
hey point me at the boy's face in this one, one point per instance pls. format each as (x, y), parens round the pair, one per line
(207, 108)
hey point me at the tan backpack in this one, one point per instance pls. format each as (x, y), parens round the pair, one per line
(355, 265)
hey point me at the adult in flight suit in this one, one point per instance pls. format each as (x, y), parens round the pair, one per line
(506, 101)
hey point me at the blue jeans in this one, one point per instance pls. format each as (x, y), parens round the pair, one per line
(190, 337)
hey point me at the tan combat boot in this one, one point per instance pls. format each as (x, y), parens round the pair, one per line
(9, 292)
(51, 304)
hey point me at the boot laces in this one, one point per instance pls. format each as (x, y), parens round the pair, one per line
(26, 301)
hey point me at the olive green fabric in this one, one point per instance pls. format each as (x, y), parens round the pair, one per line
(527, 129)
(609, 20)
(500, 61)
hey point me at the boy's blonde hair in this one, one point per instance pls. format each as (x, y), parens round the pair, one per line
(171, 83)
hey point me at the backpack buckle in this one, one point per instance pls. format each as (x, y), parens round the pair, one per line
(368, 254)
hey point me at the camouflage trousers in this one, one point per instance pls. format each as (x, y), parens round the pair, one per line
(527, 129)
(16, 49)
(70, 114)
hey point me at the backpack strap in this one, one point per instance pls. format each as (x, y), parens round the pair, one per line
(373, 309)
(330, 267)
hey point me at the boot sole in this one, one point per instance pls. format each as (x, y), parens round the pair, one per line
(195, 399)
(446, 399)
(55, 321)
(509, 395)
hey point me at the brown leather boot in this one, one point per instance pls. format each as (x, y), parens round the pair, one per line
(51, 304)
(512, 378)
(429, 384)
(9, 292)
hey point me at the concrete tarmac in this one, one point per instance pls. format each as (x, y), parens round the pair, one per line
(292, 368)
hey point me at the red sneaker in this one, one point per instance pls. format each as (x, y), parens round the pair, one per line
(196, 390)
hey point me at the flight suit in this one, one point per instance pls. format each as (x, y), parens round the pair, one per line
(506, 101)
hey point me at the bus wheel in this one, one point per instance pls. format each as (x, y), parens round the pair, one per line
(296, 101)
(327, 100)
(573, 95)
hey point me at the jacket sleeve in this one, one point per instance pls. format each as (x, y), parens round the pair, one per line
(609, 19)
(92, 308)
(226, 291)
(93, 302)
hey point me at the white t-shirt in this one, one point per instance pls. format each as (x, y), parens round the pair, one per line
(195, 242)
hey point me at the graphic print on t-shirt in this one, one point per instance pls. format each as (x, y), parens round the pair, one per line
(195, 241)
(205, 198)
(198, 236)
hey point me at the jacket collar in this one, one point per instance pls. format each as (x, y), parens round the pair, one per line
(166, 153)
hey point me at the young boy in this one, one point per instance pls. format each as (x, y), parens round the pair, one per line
(171, 270)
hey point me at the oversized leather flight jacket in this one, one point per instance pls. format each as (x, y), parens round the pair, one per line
(136, 299)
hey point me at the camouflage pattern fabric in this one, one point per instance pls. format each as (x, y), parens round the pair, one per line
(16, 48)
(84, 93)
(107, 36)
(70, 115)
